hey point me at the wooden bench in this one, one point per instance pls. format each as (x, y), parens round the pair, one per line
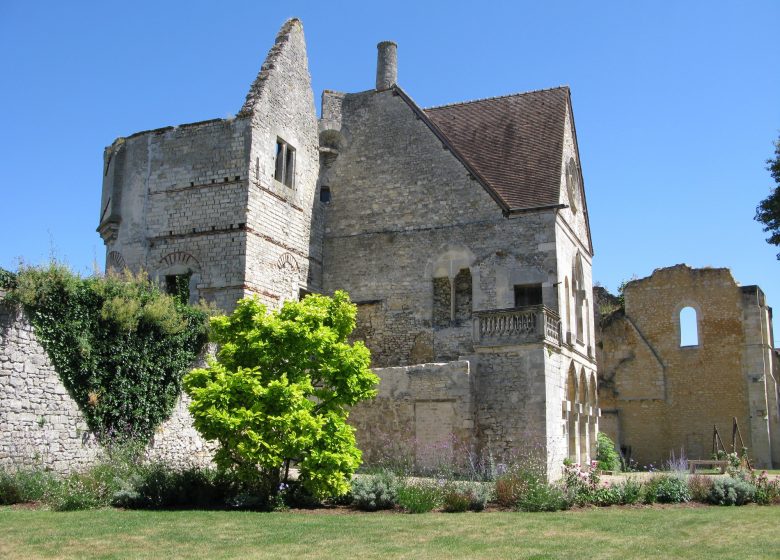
(693, 463)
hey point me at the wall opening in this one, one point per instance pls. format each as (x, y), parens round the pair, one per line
(689, 330)
(529, 294)
(325, 194)
(462, 292)
(284, 166)
(452, 299)
(178, 286)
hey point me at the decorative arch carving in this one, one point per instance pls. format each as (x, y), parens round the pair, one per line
(115, 262)
(287, 260)
(179, 258)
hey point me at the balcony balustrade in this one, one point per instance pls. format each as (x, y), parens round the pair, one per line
(523, 325)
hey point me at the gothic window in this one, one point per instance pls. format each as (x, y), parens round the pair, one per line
(284, 167)
(452, 300)
(689, 332)
(530, 294)
(579, 298)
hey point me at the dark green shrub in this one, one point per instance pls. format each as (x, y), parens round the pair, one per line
(607, 456)
(26, 485)
(608, 496)
(631, 491)
(666, 489)
(119, 345)
(541, 496)
(159, 487)
(456, 501)
(371, 492)
(420, 496)
(728, 491)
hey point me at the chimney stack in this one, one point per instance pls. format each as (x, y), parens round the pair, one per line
(386, 65)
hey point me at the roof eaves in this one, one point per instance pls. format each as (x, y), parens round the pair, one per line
(446, 142)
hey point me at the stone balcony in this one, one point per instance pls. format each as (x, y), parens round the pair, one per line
(523, 325)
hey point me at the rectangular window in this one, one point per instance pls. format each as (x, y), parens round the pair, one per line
(530, 294)
(284, 165)
(178, 286)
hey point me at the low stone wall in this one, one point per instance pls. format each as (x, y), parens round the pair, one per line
(423, 414)
(41, 425)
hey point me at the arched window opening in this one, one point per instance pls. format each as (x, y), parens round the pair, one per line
(689, 329)
(578, 284)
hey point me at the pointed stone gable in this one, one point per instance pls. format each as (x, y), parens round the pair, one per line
(292, 30)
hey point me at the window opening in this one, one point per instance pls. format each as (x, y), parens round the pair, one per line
(284, 167)
(689, 332)
(178, 286)
(530, 294)
(324, 194)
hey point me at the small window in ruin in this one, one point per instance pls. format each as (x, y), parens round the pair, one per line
(462, 296)
(284, 165)
(178, 286)
(530, 294)
(689, 330)
(324, 194)
(442, 312)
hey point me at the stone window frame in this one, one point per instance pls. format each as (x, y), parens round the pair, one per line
(677, 320)
(284, 163)
(180, 263)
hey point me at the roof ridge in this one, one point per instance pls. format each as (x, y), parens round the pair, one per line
(518, 94)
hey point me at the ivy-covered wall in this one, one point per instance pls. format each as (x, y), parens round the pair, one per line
(40, 423)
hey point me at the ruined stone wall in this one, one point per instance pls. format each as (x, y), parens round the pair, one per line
(174, 201)
(423, 414)
(282, 254)
(664, 397)
(41, 425)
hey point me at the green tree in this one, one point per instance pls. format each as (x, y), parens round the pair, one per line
(768, 210)
(279, 393)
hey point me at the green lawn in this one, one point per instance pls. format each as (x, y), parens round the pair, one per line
(678, 532)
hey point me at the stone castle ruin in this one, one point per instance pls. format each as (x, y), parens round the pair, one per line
(460, 231)
(664, 388)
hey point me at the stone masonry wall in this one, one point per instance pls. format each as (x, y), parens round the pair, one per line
(422, 413)
(666, 397)
(41, 425)
(282, 254)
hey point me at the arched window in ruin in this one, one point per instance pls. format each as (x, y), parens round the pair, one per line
(578, 281)
(571, 418)
(689, 329)
(179, 274)
(452, 287)
(567, 299)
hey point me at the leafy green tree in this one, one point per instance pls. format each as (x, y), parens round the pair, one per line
(279, 393)
(768, 210)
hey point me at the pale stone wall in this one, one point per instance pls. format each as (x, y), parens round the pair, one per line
(423, 413)
(174, 200)
(282, 254)
(41, 425)
(664, 397)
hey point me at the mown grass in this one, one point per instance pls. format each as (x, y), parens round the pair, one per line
(675, 532)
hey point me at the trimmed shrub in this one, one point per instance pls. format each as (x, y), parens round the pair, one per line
(541, 496)
(607, 456)
(420, 496)
(371, 492)
(730, 491)
(666, 489)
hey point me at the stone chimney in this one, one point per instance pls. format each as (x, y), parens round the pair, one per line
(386, 65)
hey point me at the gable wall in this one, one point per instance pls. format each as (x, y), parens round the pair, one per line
(282, 256)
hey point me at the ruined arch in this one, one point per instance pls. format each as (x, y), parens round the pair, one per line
(572, 429)
(177, 265)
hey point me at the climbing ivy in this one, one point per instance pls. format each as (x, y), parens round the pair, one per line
(119, 344)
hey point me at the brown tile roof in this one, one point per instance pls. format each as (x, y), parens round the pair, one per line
(514, 143)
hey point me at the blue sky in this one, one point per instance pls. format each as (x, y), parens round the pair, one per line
(676, 105)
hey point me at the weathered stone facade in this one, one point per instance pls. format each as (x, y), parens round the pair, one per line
(461, 231)
(661, 393)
